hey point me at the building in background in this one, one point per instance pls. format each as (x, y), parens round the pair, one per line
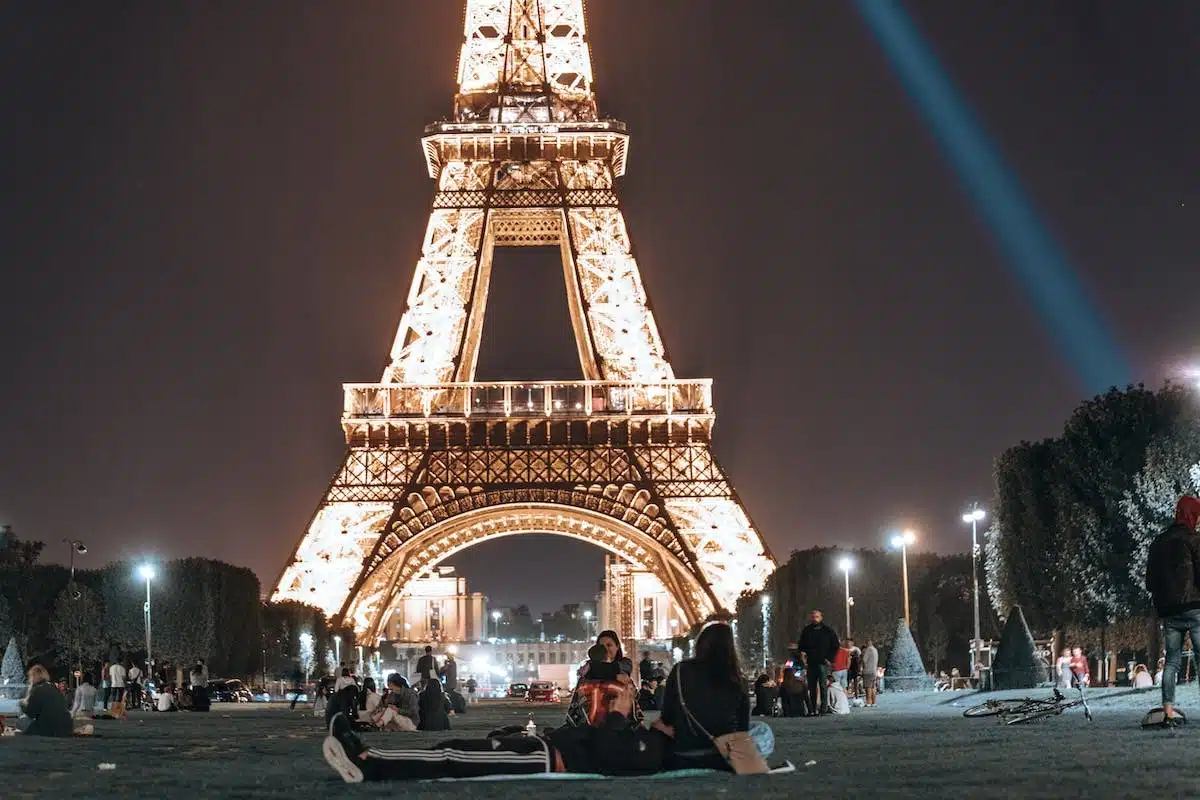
(636, 605)
(438, 609)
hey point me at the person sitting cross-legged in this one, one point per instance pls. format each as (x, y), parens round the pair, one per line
(46, 708)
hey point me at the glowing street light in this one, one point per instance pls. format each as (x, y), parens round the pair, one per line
(337, 649)
(845, 564)
(974, 516)
(587, 624)
(766, 610)
(146, 572)
(496, 623)
(901, 541)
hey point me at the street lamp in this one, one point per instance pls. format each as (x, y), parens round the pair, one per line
(902, 541)
(337, 649)
(845, 564)
(79, 547)
(146, 572)
(587, 624)
(766, 609)
(496, 624)
(974, 516)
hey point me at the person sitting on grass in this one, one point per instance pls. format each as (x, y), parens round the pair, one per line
(84, 702)
(46, 708)
(435, 707)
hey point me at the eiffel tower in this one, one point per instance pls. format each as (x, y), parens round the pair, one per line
(436, 462)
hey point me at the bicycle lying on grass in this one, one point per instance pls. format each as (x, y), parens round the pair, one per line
(1015, 711)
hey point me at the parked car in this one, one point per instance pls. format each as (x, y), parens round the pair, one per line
(229, 691)
(517, 690)
(542, 692)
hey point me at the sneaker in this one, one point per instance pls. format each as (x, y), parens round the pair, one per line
(337, 757)
(341, 729)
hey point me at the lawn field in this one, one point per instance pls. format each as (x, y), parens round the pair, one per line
(913, 745)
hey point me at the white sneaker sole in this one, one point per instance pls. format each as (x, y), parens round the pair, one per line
(336, 757)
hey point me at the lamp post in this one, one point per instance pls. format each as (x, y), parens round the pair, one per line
(587, 624)
(974, 516)
(766, 610)
(147, 573)
(902, 541)
(79, 547)
(496, 624)
(337, 650)
(845, 564)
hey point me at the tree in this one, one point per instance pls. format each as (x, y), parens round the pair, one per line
(1172, 469)
(182, 612)
(294, 632)
(77, 627)
(12, 671)
(1016, 665)
(6, 626)
(905, 671)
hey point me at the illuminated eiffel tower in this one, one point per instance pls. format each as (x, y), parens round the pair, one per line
(436, 462)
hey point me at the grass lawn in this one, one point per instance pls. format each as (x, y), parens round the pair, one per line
(912, 745)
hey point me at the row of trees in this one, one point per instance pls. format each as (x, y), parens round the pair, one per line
(940, 604)
(1074, 515)
(200, 608)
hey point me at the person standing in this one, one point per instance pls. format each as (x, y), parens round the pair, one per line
(105, 683)
(449, 673)
(133, 683)
(471, 687)
(199, 679)
(297, 685)
(870, 663)
(645, 667)
(818, 646)
(427, 666)
(116, 677)
(1173, 578)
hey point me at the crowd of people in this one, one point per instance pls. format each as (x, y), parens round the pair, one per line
(704, 723)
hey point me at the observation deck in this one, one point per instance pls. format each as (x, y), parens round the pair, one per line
(607, 140)
(514, 413)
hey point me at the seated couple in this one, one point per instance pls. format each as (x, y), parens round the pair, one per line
(705, 700)
(399, 708)
(45, 706)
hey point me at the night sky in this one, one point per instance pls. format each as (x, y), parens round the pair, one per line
(212, 209)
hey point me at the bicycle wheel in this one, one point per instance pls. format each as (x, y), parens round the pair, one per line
(991, 708)
(1033, 714)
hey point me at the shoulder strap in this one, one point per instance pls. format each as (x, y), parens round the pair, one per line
(692, 722)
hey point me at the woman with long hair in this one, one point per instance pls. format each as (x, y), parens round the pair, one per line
(604, 684)
(705, 698)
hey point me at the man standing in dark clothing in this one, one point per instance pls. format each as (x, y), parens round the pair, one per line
(1173, 578)
(646, 667)
(427, 666)
(449, 673)
(818, 644)
(297, 685)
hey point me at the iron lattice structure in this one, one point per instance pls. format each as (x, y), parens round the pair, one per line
(436, 462)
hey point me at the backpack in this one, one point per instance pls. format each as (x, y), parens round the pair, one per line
(593, 701)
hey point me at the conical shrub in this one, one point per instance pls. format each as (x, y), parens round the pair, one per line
(12, 672)
(905, 670)
(1016, 665)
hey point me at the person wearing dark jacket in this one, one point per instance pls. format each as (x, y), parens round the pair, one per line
(1173, 578)
(705, 699)
(427, 666)
(435, 708)
(46, 706)
(646, 668)
(818, 645)
(449, 673)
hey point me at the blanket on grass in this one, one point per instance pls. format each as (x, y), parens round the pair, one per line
(786, 767)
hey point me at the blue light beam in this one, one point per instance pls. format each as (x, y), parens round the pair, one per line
(1034, 256)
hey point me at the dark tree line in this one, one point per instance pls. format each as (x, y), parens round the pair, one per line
(200, 608)
(940, 604)
(1074, 515)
